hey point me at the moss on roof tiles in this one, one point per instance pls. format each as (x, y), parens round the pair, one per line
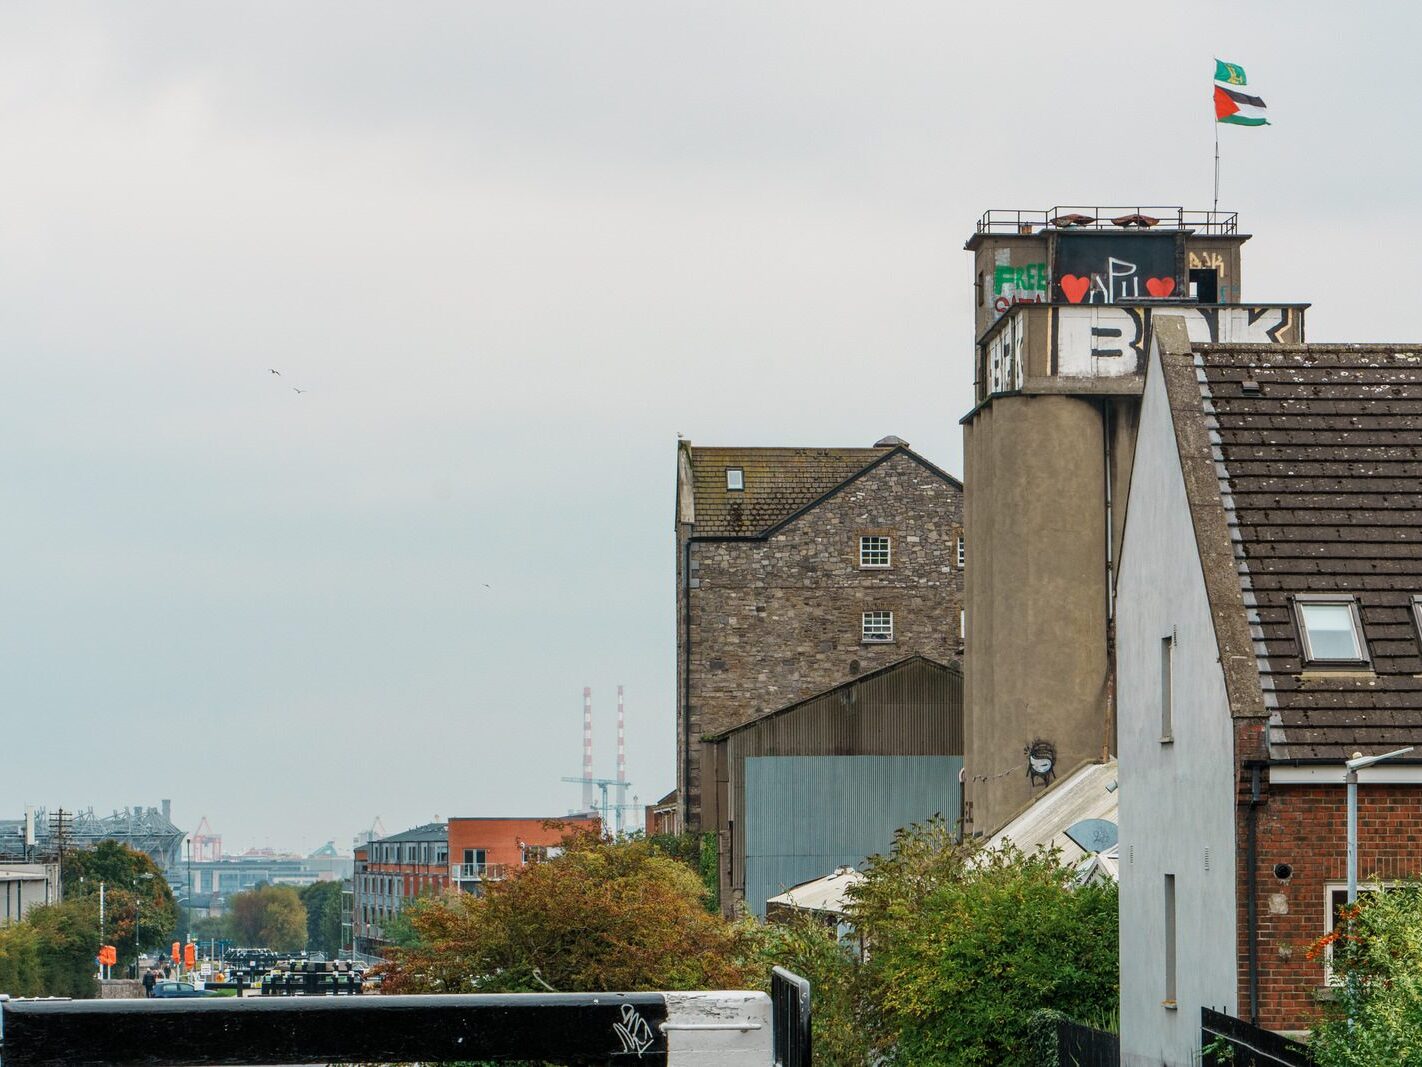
(778, 483)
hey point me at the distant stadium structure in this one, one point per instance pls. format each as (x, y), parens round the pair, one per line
(149, 830)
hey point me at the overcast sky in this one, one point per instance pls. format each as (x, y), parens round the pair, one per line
(510, 251)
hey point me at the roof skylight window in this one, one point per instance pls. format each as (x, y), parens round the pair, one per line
(1331, 629)
(735, 478)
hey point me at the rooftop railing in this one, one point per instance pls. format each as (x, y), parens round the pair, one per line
(1065, 219)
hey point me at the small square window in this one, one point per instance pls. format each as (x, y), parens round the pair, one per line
(1331, 629)
(735, 478)
(878, 626)
(873, 551)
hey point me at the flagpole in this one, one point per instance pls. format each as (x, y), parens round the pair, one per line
(1217, 165)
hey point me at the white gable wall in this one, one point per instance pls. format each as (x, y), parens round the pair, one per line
(1177, 798)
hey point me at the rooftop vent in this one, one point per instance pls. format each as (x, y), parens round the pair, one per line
(891, 442)
(1249, 387)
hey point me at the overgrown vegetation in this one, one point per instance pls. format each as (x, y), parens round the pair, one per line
(1377, 955)
(965, 946)
(968, 944)
(51, 953)
(602, 916)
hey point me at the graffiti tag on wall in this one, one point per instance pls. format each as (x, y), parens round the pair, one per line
(1107, 342)
(1026, 284)
(1112, 268)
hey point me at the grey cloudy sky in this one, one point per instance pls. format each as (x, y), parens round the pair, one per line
(511, 250)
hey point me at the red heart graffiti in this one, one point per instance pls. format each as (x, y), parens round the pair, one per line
(1075, 288)
(1160, 286)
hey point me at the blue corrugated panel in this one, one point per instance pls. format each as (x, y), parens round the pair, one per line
(807, 815)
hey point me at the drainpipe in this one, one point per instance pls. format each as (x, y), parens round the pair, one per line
(686, 689)
(1251, 883)
(1109, 733)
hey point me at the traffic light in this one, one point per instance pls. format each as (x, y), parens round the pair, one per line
(177, 952)
(190, 955)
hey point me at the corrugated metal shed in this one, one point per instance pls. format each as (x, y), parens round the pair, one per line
(910, 708)
(809, 814)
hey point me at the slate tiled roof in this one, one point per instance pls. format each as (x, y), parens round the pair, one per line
(1321, 477)
(778, 483)
(430, 831)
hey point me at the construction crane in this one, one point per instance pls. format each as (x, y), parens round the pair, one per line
(613, 816)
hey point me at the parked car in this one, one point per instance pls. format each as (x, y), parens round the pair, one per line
(169, 988)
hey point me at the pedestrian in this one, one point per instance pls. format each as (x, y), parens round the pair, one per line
(149, 981)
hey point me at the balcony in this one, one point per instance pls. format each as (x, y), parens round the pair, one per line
(477, 872)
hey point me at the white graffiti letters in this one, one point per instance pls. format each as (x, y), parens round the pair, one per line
(633, 1031)
(1118, 270)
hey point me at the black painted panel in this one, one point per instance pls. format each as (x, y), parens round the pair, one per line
(572, 1028)
(1106, 268)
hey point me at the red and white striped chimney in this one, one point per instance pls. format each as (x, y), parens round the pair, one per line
(621, 762)
(587, 749)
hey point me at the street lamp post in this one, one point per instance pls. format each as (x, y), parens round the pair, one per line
(137, 916)
(1354, 765)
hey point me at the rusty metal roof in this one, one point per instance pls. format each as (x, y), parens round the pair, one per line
(778, 483)
(1318, 449)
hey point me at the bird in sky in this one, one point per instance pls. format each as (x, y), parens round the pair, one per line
(294, 389)
(275, 371)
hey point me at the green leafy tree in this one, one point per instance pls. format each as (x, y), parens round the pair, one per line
(269, 916)
(322, 901)
(966, 945)
(21, 974)
(602, 916)
(140, 913)
(51, 953)
(808, 947)
(1377, 953)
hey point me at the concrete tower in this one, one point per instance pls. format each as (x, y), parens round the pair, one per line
(1064, 304)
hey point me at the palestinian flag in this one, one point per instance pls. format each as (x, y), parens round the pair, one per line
(1232, 103)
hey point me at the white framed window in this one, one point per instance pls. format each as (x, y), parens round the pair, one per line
(1331, 629)
(877, 626)
(735, 479)
(962, 551)
(1335, 899)
(1417, 613)
(873, 551)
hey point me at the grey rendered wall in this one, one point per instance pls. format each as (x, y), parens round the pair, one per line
(1177, 798)
(807, 815)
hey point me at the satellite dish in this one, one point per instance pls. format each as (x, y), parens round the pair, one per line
(1094, 835)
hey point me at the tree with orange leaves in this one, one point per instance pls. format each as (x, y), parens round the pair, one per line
(602, 916)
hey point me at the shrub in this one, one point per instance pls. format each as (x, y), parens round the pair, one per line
(1377, 952)
(965, 946)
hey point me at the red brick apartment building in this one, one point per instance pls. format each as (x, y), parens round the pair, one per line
(488, 850)
(460, 854)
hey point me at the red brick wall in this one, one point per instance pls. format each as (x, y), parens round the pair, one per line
(501, 838)
(1306, 828)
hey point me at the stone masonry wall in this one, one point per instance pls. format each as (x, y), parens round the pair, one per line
(775, 621)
